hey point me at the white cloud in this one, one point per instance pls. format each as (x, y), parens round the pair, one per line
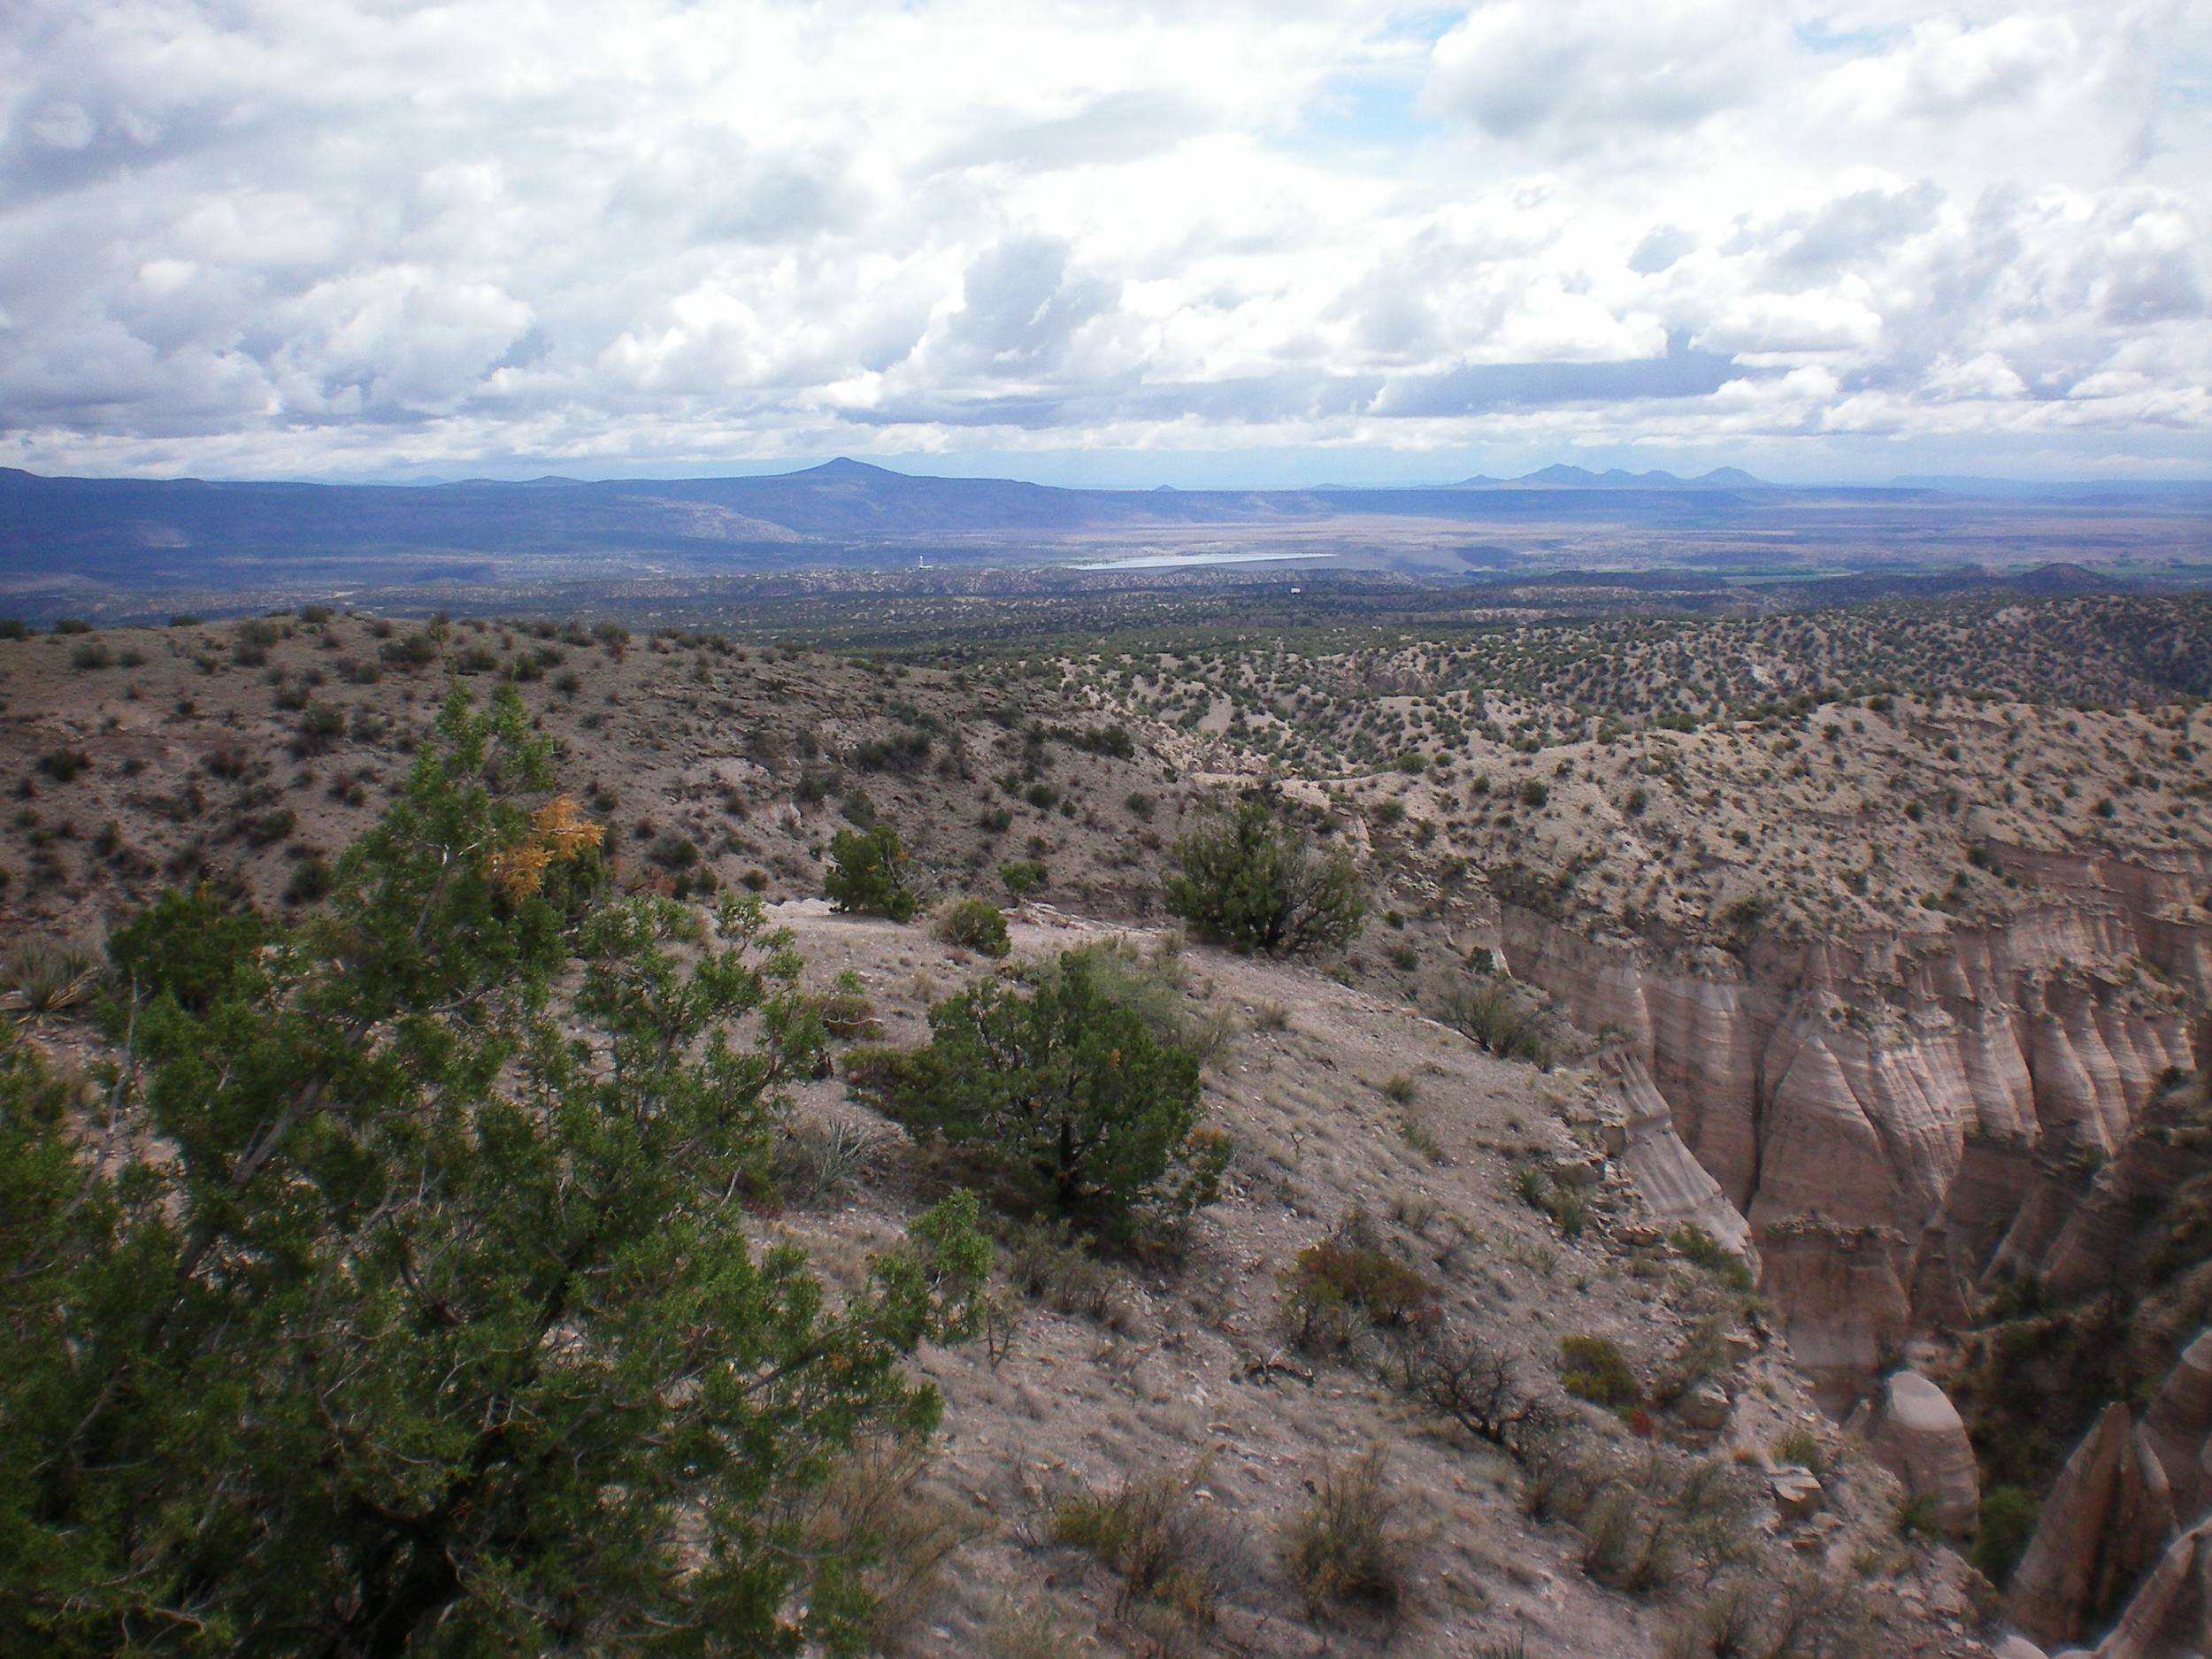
(361, 234)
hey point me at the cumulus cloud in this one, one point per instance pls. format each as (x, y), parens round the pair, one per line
(373, 236)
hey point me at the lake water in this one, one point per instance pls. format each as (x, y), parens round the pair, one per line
(1168, 561)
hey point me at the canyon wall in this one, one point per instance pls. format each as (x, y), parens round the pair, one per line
(1899, 1118)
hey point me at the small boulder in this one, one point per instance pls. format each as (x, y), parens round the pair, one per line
(1797, 1491)
(1704, 1408)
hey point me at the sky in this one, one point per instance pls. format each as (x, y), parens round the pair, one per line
(1291, 243)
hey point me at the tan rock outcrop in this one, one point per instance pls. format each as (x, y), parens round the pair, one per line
(1951, 1087)
(2170, 1614)
(2107, 1516)
(1915, 1432)
(1673, 1183)
(2178, 1423)
(1843, 1307)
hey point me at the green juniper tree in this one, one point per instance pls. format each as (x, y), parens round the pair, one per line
(1252, 879)
(427, 1322)
(1066, 1089)
(867, 872)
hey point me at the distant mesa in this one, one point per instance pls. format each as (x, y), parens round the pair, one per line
(1560, 476)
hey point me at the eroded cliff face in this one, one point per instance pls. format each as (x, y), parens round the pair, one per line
(1899, 1118)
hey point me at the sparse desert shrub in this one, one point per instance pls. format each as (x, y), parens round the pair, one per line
(1701, 1249)
(1488, 1009)
(867, 873)
(1594, 1368)
(415, 650)
(812, 1162)
(91, 654)
(1349, 1547)
(1049, 1262)
(903, 752)
(844, 1009)
(1168, 1545)
(1789, 1614)
(874, 1515)
(45, 976)
(272, 827)
(1022, 877)
(1801, 1446)
(1472, 1382)
(1537, 1189)
(673, 852)
(1650, 1520)
(976, 924)
(63, 764)
(1253, 881)
(1032, 1630)
(1064, 1090)
(1345, 1284)
(321, 726)
(71, 625)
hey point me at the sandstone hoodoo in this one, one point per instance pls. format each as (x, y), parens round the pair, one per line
(1903, 1118)
(1917, 1431)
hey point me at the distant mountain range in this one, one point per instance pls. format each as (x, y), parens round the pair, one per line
(140, 534)
(1562, 477)
(112, 528)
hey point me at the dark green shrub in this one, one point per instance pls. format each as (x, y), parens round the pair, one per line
(976, 924)
(673, 852)
(415, 650)
(71, 625)
(321, 726)
(1252, 880)
(312, 880)
(867, 873)
(2008, 1522)
(1062, 1088)
(1593, 1368)
(1702, 1249)
(1022, 877)
(63, 764)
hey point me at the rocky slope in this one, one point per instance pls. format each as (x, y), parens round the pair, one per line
(1900, 1118)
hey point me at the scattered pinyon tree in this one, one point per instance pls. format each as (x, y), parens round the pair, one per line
(1253, 880)
(436, 1329)
(1084, 1111)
